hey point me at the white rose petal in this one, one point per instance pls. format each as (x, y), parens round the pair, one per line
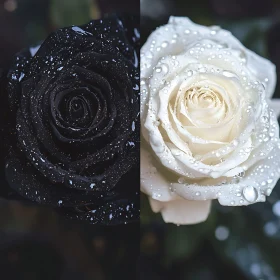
(210, 129)
(182, 212)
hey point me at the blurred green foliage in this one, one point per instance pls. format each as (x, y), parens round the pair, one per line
(70, 12)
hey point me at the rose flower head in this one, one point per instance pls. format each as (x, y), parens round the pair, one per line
(209, 128)
(74, 121)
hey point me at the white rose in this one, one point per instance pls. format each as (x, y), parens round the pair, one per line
(207, 121)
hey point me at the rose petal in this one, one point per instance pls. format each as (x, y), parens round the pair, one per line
(182, 212)
(179, 116)
(275, 105)
(262, 68)
(153, 182)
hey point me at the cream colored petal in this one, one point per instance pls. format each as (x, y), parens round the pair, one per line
(182, 212)
(262, 68)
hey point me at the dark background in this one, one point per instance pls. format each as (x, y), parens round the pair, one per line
(235, 243)
(36, 243)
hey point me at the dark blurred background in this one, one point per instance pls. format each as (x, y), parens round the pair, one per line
(235, 243)
(36, 243)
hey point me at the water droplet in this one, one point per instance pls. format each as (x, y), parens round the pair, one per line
(197, 193)
(164, 44)
(250, 194)
(269, 181)
(149, 54)
(264, 119)
(214, 29)
(235, 143)
(158, 69)
(164, 68)
(229, 74)
(181, 180)
(189, 73)
(268, 191)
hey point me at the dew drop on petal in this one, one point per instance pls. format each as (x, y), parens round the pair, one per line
(229, 74)
(158, 69)
(264, 119)
(164, 44)
(268, 191)
(164, 68)
(250, 194)
(181, 180)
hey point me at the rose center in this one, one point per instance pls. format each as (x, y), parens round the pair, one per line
(78, 109)
(201, 97)
(205, 105)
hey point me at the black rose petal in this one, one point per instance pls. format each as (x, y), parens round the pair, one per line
(74, 121)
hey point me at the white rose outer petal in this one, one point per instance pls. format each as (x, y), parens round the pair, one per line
(153, 183)
(275, 105)
(182, 212)
(180, 168)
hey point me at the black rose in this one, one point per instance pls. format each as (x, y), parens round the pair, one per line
(74, 118)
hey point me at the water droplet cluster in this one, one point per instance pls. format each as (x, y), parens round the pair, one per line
(74, 104)
(205, 117)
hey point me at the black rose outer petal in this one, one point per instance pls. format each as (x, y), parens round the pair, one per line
(74, 121)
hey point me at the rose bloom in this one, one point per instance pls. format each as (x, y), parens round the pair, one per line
(73, 116)
(209, 127)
